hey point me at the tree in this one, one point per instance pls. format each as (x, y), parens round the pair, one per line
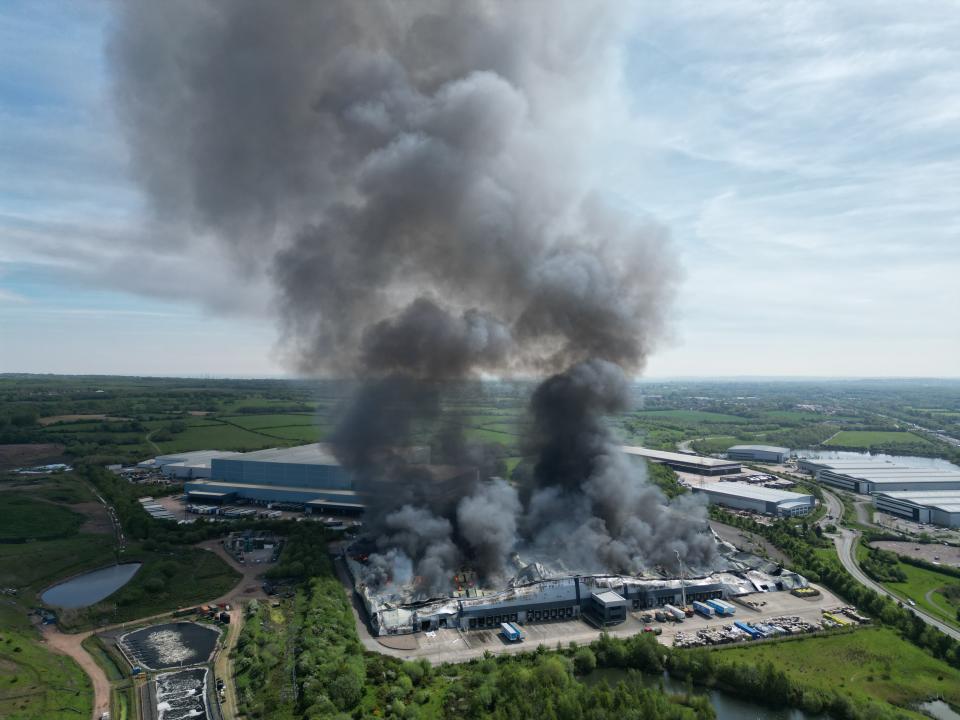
(584, 661)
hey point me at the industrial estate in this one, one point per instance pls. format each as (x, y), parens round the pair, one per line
(256, 506)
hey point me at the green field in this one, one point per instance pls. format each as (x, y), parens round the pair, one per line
(36, 684)
(216, 437)
(923, 586)
(258, 422)
(872, 438)
(60, 488)
(867, 663)
(35, 565)
(689, 417)
(714, 444)
(164, 583)
(490, 436)
(23, 518)
(300, 434)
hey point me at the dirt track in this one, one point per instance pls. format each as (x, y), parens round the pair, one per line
(70, 645)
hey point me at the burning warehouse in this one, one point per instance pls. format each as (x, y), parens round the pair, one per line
(415, 181)
(600, 599)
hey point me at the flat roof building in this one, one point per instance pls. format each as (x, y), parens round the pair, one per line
(869, 477)
(311, 476)
(685, 462)
(187, 465)
(758, 453)
(937, 507)
(769, 501)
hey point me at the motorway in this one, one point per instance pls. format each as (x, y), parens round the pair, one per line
(846, 541)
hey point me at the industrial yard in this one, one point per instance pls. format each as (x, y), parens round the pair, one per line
(452, 645)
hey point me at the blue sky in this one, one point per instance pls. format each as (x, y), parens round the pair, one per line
(804, 156)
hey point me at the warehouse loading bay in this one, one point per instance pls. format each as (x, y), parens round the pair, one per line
(452, 645)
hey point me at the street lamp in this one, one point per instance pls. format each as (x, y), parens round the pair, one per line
(683, 589)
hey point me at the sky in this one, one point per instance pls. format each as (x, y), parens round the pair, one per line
(804, 157)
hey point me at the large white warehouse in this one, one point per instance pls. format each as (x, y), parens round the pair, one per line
(757, 499)
(873, 476)
(758, 453)
(938, 507)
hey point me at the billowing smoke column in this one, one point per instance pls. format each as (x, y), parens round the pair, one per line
(417, 178)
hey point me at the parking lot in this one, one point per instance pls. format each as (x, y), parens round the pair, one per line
(931, 552)
(458, 646)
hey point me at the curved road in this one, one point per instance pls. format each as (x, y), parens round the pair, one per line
(846, 542)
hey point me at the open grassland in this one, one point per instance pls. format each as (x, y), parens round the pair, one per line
(715, 444)
(689, 417)
(873, 438)
(23, 518)
(58, 488)
(867, 663)
(36, 684)
(257, 422)
(298, 434)
(217, 437)
(925, 588)
(34, 565)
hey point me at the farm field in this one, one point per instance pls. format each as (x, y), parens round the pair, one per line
(36, 684)
(689, 416)
(258, 422)
(871, 438)
(217, 437)
(870, 663)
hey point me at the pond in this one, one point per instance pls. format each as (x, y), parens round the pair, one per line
(939, 709)
(915, 461)
(90, 588)
(726, 706)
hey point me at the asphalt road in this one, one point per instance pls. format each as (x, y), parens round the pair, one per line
(846, 542)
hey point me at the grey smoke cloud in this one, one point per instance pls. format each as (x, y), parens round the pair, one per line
(416, 179)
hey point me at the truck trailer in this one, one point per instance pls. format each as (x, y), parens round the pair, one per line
(511, 632)
(674, 612)
(702, 609)
(722, 607)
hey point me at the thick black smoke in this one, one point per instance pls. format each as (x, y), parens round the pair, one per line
(416, 179)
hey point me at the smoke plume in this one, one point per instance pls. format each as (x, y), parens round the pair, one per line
(416, 178)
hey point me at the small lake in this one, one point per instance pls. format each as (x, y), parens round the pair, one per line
(89, 588)
(939, 709)
(726, 706)
(924, 463)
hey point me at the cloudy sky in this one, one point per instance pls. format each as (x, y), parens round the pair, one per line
(804, 157)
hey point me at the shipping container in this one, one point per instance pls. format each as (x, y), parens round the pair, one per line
(749, 630)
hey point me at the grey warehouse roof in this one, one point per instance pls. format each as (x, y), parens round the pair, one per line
(946, 500)
(753, 492)
(762, 448)
(675, 457)
(313, 454)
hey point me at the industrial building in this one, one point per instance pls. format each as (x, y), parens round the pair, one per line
(758, 453)
(873, 476)
(599, 599)
(310, 476)
(769, 501)
(685, 462)
(936, 507)
(185, 465)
